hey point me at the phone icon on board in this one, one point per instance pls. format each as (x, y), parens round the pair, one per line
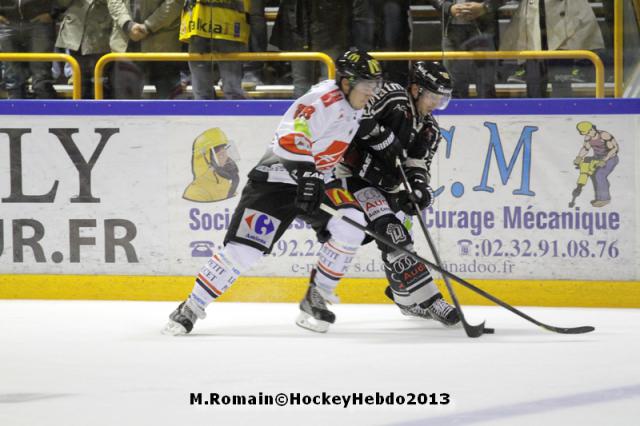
(464, 246)
(201, 248)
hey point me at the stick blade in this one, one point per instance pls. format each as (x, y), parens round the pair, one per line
(473, 330)
(570, 330)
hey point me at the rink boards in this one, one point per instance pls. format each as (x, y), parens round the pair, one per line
(116, 200)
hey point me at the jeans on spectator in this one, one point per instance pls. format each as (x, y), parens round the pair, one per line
(257, 36)
(395, 36)
(463, 73)
(607, 34)
(202, 75)
(303, 74)
(307, 73)
(31, 37)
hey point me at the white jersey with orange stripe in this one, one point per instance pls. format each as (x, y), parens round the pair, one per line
(316, 129)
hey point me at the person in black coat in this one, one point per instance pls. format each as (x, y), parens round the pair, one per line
(470, 26)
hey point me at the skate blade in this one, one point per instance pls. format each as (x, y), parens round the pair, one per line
(174, 329)
(447, 325)
(456, 325)
(308, 322)
(410, 314)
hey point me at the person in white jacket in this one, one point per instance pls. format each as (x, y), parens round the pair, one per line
(552, 25)
(85, 30)
(293, 178)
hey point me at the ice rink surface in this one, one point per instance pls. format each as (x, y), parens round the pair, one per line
(106, 363)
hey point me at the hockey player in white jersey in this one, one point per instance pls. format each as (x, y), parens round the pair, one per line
(291, 180)
(398, 124)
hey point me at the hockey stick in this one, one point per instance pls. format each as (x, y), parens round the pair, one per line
(471, 330)
(461, 281)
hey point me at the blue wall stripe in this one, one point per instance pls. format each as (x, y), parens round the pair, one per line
(278, 107)
(105, 108)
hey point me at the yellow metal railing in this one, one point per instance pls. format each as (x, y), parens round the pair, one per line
(266, 56)
(524, 54)
(49, 57)
(317, 56)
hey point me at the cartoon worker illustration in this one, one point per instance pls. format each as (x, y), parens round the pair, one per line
(597, 167)
(215, 173)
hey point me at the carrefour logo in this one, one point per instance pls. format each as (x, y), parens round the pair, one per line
(262, 224)
(258, 227)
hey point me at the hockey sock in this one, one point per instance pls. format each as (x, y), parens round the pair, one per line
(410, 280)
(333, 262)
(221, 271)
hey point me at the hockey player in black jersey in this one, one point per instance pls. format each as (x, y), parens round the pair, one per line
(398, 124)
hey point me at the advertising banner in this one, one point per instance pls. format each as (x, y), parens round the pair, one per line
(523, 192)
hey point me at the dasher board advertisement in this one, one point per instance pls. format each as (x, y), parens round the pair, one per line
(524, 189)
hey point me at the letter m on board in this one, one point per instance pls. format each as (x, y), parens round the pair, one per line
(504, 169)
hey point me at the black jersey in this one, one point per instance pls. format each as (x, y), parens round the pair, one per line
(391, 118)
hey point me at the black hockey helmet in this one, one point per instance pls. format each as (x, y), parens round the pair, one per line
(433, 77)
(357, 65)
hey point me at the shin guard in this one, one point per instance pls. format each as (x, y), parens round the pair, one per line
(221, 271)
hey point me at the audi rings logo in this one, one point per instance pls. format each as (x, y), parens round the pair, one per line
(402, 264)
(368, 194)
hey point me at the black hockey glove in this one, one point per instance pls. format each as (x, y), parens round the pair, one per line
(390, 155)
(421, 193)
(310, 190)
(426, 139)
(378, 173)
(381, 169)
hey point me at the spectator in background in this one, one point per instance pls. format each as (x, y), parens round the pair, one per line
(470, 26)
(145, 26)
(607, 55)
(552, 25)
(315, 26)
(27, 26)
(215, 27)
(384, 25)
(257, 43)
(84, 32)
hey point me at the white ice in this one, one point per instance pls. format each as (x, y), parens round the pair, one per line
(106, 363)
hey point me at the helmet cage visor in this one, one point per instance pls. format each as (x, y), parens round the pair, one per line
(369, 87)
(433, 99)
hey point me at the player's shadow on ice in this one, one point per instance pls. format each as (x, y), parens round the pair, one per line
(402, 330)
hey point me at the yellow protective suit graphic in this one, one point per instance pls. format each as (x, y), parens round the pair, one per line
(215, 173)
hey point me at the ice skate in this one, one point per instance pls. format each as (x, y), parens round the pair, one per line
(441, 311)
(314, 314)
(404, 310)
(181, 320)
(435, 308)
